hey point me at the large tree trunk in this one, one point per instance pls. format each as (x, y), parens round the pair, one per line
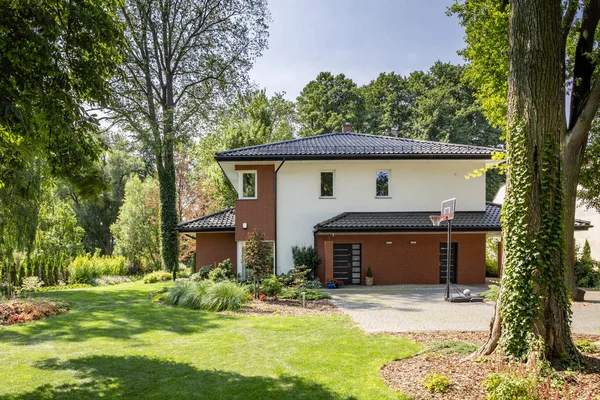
(533, 310)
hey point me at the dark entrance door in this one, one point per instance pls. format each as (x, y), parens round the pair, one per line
(347, 263)
(443, 262)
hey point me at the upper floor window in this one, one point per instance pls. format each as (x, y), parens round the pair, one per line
(248, 185)
(382, 183)
(327, 184)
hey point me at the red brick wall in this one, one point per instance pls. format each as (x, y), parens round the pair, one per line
(215, 247)
(260, 213)
(405, 263)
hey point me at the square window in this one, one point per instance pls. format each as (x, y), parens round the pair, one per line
(327, 184)
(248, 185)
(382, 183)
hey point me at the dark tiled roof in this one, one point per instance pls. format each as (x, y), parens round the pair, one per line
(355, 146)
(581, 225)
(223, 220)
(466, 221)
(488, 220)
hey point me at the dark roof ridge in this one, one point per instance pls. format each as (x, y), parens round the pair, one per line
(421, 140)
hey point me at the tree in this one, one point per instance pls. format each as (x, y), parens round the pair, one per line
(533, 311)
(181, 56)
(61, 55)
(486, 25)
(389, 105)
(257, 257)
(328, 102)
(253, 119)
(137, 229)
(98, 214)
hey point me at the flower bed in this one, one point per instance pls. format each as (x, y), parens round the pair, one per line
(15, 311)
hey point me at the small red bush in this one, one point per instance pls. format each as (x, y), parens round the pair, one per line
(16, 311)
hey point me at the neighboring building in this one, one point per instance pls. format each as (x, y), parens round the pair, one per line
(587, 224)
(362, 200)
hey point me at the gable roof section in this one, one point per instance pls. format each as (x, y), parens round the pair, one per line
(347, 146)
(221, 221)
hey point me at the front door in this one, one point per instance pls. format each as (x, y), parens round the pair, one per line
(347, 263)
(444, 260)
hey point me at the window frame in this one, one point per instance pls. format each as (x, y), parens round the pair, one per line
(332, 171)
(389, 183)
(241, 184)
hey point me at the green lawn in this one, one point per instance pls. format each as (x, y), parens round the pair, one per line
(114, 343)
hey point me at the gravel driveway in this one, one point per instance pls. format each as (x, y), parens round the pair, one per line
(414, 308)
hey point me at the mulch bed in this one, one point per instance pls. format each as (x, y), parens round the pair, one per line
(289, 307)
(16, 311)
(467, 376)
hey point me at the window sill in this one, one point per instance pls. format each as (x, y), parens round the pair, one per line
(327, 197)
(248, 198)
(383, 197)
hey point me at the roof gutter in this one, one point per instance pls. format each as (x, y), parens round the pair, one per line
(275, 211)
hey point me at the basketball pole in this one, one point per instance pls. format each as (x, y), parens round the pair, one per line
(448, 257)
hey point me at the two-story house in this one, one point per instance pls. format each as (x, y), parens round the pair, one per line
(362, 200)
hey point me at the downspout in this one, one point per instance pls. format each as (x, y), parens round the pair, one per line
(275, 246)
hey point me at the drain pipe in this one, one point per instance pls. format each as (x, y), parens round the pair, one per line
(275, 245)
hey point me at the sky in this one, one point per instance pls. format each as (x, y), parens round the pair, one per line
(359, 38)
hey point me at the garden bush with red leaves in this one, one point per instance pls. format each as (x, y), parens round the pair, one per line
(15, 311)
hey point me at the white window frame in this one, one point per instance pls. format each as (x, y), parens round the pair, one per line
(389, 175)
(333, 182)
(241, 184)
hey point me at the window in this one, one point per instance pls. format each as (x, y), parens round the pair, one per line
(382, 184)
(248, 185)
(327, 184)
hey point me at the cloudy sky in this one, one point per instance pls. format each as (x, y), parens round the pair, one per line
(359, 38)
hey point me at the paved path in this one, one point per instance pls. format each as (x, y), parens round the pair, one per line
(412, 308)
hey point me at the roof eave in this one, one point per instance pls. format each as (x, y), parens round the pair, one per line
(205, 230)
(407, 229)
(288, 157)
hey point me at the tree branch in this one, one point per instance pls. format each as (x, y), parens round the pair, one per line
(584, 122)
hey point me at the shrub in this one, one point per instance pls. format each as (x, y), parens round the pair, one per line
(219, 274)
(312, 284)
(12, 312)
(585, 346)
(175, 293)
(62, 287)
(296, 276)
(271, 286)
(436, 383)
(158, 276)
(587, 272)
(491, 268)
(83, 269)
(306, 256)
(31, 284)
(203, 272)
(296, 293)
(501, 386)
(224, 296)
(491, 293)
(109, 280)
(369, 273)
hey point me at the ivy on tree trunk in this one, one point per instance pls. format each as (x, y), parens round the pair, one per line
(533, 310)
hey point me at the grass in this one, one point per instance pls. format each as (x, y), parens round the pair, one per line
(454, 347)
(116, 343)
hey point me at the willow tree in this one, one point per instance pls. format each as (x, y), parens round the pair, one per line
(533, 309)
(182, 56)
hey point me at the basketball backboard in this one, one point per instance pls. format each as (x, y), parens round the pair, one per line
(447, 212)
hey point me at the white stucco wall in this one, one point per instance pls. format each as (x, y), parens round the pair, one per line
(581, 212)
(414, 186)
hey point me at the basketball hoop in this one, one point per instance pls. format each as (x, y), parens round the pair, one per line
(436, 220)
